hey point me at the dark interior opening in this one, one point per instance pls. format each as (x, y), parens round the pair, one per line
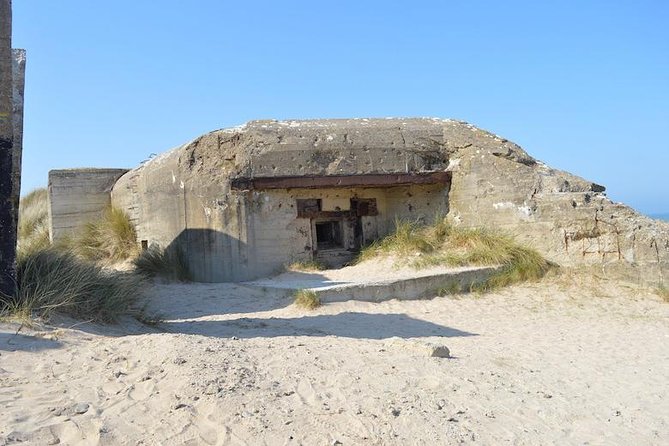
(328, 235)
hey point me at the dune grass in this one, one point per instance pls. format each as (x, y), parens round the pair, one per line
(307, 299)
(306, 266)
(55, 281)
(156, 262)
(68, 278)
(112, 238)
(33, 227)
(422, 246)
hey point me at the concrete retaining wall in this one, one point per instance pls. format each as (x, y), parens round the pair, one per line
(78, 196)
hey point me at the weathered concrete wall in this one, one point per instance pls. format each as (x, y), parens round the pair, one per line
(497, 185)
(184, 198)
(253, 234)
(78, 196)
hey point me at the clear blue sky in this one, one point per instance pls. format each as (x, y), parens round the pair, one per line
(581, 85)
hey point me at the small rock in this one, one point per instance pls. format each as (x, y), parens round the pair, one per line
(438, 351)
(81, 408)
(179, 361)
(395, 412)
(441, 404)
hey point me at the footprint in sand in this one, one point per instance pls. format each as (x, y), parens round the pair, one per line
(142, 390)
(307, 394)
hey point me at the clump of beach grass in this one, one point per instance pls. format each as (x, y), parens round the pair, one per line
(33, 226)
(167, 264)
(306, 266)
(51, 281)
(422, 246)
(112, 238)
(307, 299)
(68, 278)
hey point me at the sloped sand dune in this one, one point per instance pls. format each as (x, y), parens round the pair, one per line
(560, 362)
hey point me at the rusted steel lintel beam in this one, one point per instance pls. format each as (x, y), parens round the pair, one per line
(326, 181)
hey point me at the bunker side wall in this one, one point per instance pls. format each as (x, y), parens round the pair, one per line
(568, 219)
(228, 235)
(78, 196)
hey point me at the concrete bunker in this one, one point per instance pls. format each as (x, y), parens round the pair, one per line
(241, 203)
(335, 216)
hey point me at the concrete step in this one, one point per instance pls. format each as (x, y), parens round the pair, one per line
(377, 289)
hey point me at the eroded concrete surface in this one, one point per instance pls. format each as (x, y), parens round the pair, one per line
(183, 199)
(376, 281)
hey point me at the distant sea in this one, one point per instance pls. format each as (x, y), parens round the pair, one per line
(664, 217)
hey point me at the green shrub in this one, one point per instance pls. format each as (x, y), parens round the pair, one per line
(156, 262)
(53, 281)
(307, 299)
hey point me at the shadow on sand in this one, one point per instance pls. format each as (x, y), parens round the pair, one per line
(348, 325)
(208, 299)
(12, 342)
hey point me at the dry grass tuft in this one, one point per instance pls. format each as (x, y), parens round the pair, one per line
(54, 281)
(306, 266)
(442, 244)
(112, 238)
(33, 228)
(307, 299)
(58, 280)
(156, 262)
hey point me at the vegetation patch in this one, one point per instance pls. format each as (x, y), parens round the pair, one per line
(307, 299)
(68, 278)
(156, 262)
(422, 246)
(307, 266)
(55, 281)
(33, 227)
(112, 238)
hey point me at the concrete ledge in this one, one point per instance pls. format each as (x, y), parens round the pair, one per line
(403, 288)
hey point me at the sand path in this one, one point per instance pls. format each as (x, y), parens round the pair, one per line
(550, 363)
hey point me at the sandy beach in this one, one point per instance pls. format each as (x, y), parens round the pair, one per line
(563, 361)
